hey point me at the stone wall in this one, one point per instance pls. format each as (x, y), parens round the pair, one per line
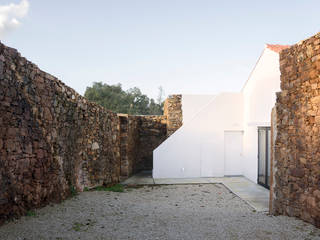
(297, 152)
(53, 141)
(152, 132)
(51, 138)
(272, 157)
(129, 143)
(173, 111)
(140, 135)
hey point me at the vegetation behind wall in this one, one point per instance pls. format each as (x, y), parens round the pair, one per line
(132, 102)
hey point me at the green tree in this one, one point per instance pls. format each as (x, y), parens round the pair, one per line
(132, 101)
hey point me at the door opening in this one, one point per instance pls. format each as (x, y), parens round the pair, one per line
(264, 151)
(233, 153)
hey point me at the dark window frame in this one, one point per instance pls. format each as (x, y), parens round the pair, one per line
(267, 153)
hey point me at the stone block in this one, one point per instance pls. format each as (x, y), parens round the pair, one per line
(296, 153)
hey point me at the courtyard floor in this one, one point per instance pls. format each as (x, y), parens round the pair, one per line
(198, 211)
(255, 195)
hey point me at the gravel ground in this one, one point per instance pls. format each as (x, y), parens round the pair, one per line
(207, 211)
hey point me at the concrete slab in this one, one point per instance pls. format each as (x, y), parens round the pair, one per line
(142, 178)
(255, 195)
(181, 180)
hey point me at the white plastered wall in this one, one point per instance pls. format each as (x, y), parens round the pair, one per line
(192, 104)
(259, 97)
(197, 148)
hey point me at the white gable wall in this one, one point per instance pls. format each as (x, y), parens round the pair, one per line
(259, 98)
(192, 104)
(197, 148)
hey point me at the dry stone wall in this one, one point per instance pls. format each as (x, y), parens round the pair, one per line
(129, 144)
(53, 141)
(152, 132)
(297, 146)
(51, 138)
(140, 135)
(173, 112)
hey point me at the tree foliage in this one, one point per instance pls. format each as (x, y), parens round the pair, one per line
(132, 101)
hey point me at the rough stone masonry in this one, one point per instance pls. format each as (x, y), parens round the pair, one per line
(139, 136)
(53, 141)
(297, 144)
(173, 111)
(51, 138)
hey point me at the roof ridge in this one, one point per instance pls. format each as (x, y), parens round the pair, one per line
(276, 47)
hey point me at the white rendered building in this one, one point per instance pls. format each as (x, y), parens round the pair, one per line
(225, 134)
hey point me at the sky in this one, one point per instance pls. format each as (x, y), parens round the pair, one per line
(185, 46)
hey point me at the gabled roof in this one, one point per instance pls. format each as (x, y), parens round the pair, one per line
(273, 47)
(276, 47)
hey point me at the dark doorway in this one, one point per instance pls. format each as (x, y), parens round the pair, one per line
(264, 147)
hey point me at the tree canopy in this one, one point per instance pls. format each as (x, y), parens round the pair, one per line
(132, 101)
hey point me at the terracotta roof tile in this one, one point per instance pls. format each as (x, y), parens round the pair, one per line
(276, 47)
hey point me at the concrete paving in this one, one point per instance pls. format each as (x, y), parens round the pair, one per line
(255, 195)
(142, 178)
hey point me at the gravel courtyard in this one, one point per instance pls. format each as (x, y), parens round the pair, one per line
(207, 211)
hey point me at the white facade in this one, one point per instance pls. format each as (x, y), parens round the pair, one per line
(196, 149)
(219, 133)
(192, 104)
(259, 98)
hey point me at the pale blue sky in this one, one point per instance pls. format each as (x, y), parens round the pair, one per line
(186, 46)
